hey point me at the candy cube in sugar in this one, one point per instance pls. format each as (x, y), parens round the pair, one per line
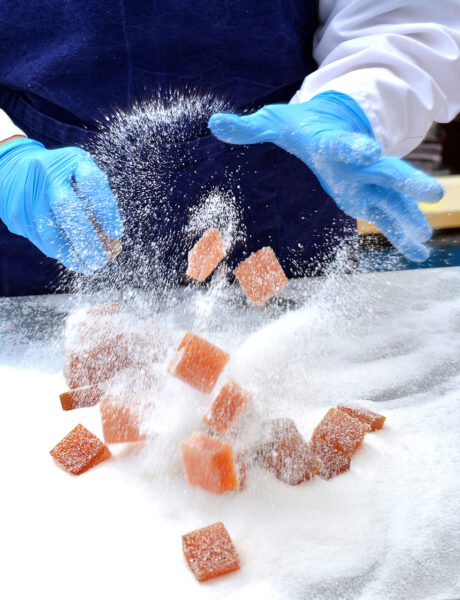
(261, 276)
(81, 397)
(205, 255)
(79, 451)
(284, 452)
(209, 463)
(198, 362)
(210, 552)
(121, 420)
(333, 462)
(227, 407)
(366, 416)
(341, 431)
(88, 367)
(101, 343)
(104, 308)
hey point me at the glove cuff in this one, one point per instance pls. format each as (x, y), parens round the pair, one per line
(16, 147)
(344, 110)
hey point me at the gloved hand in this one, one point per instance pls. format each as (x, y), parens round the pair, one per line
(331, 134)
(38, 201)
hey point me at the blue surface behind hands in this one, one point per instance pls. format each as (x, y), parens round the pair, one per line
(331, 134)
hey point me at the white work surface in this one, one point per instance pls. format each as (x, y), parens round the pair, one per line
(387, 529)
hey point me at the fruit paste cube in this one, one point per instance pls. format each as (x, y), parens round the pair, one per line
(100, 345)
(90, 366)
(209, 463)
(79, 451)
(366, 416)
(81, 397)
(205, 255)
(104, 308)
(210, 552)
(333, 462)
(285, 453)
(121, 420)
(261, 276)
(341, 431)
(198, 362)
(227, 407)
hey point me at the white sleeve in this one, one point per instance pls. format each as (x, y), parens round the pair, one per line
(399, 59)
(7, 127)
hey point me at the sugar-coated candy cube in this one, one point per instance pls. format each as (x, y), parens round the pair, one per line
(209, 463)
(198, 362)
(227, 407)
(82, 397)
(366, 416)
(109, 354)
(104, 308)
(100, 342)
(121, 420)
(205, 255)
(333, 462)
(341, 431)
(210, 552)
(79, 451)
(284, 452)
(261, 276)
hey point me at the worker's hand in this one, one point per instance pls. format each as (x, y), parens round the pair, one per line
(332, 135)
(38, 201)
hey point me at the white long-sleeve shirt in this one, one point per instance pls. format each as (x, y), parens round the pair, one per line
(399, 59)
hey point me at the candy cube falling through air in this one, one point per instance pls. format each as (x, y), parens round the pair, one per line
(198, 362)
(261, 276)
(209, 463)
(227, 407)
(205, 255)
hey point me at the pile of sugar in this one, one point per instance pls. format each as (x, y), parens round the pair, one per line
(385, 529)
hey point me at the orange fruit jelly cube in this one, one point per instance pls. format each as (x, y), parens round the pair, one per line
(285, 453)
(104, 308)
(205, 255)
(121, 420)
(227, 407)
(81, 397)
(209, 463)
(79, 451)
(333, 462)
(341, 431)
(105, 359)
(210, 552)
(366, 416)
(198, 362)
(261, 276)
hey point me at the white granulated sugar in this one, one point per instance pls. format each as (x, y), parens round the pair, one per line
(386, 529)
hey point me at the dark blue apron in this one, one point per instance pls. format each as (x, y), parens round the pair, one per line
(65, 66)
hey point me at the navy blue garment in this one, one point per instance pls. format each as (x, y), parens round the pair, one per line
(63, 68)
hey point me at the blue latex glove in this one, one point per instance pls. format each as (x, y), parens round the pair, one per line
(38, 201)
(332, 135)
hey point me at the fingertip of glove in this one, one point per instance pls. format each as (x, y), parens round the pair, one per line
(436, 191)
(219, 122)
(416, 253)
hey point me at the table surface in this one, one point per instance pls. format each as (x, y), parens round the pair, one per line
(387, 338)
